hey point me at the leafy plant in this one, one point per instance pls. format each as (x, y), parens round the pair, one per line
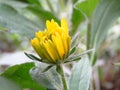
(89, 19)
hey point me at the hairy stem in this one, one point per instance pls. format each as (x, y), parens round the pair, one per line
(88, 35)
(63, 77)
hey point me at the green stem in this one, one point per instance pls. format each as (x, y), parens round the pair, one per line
(93, 57)
(63, 77)
(88, 35)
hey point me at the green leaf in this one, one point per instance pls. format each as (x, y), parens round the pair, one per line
(82, 10)
(74, 1)
(77, 18)
(42, 15)
(15, 4)
(105, 14)
(6, 84)
(35, 2)
(14, 22)
(87, 6)
(81, 74)
(20, 75)
(49, 79)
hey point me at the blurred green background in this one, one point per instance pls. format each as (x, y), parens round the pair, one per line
(19, 19)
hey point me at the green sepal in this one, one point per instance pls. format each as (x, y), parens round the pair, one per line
(77, 57)
(47, 68)
(73, 59)
(75, 40)
(72, 50)
(33, 57)
(58, 69)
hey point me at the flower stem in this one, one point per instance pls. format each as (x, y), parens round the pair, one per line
(88, 35)
(63, 77)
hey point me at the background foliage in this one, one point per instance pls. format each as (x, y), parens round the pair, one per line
(91, 26)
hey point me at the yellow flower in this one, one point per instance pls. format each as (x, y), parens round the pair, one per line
(52, 44)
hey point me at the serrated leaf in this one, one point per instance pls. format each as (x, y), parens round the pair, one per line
(6, 84)
(20, 75)
(81, 74)
(16, 23)
(49, 79)
(105, 14)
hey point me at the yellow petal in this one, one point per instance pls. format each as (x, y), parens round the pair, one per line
(68, 43)
(45, 53)
(58, 43)
(51, 26)
(64, 25)
(36, 46)
(54, 50)
(39, 35)
(48, 25)
(49, 50)
(64, 41)
(53, 44)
